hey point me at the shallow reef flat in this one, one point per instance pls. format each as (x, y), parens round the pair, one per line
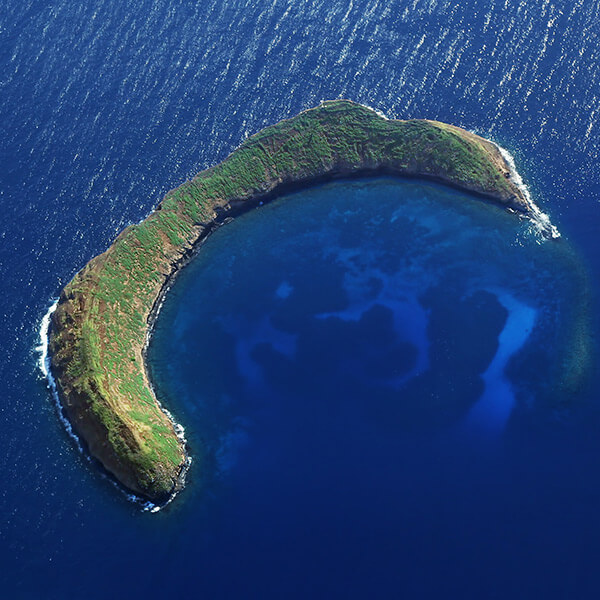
(100, 328)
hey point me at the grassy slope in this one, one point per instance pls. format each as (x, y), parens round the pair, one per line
(99, 328)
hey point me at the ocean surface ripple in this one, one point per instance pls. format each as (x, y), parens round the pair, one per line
(106, 106)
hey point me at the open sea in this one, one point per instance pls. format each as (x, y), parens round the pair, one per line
(367, 371)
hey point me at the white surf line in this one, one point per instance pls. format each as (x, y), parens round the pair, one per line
(493, 409)
(539, 219)
(44, 360)
(44, 366)
(378, 112)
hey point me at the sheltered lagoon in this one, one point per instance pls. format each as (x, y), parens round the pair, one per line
(320, 320)
(99, 330)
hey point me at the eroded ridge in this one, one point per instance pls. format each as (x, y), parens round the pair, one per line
(100, 327)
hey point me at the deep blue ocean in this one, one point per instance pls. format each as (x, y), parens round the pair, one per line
(348, 440)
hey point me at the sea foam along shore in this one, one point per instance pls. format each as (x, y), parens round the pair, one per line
(540, 220)
(44, 366)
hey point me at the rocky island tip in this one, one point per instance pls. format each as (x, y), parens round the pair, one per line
(100, 327)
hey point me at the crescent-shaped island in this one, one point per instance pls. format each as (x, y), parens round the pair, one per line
(100, 328)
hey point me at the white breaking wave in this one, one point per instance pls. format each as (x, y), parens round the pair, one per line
(44, 366)
(540, 220)
(378, 112)
(44, 360)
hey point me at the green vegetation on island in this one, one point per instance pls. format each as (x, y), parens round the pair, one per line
(100, 327)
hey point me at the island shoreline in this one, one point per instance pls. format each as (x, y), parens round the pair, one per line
(95, 411)
(239, 209)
